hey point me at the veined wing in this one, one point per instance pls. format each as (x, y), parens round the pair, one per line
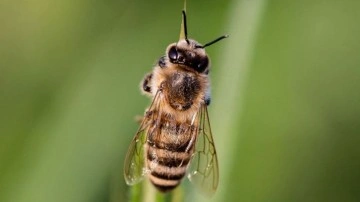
(204, 170)
(134, 166)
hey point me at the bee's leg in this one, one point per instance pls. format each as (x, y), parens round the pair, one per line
(139, 119)
(162, 62)
(146, 84)
(207, 101)
(207, 98)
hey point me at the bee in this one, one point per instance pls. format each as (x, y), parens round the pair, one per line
(174, 138)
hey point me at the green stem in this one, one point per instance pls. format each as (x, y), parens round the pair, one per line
(135, 193)
(145, 192)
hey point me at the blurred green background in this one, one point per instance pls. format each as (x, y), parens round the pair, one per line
(285, 111)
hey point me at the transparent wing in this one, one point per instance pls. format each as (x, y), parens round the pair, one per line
(134, 166)
(204, 170)
(135, 169)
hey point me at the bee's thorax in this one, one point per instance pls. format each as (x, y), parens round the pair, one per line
(181, 90)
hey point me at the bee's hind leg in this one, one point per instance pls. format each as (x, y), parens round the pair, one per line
(138, 119)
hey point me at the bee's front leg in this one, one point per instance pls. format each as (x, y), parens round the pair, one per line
(146, 84)
(162, 62)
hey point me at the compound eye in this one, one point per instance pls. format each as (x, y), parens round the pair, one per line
(173, 54)
(203, 64)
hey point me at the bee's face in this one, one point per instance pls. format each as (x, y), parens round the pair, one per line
(190, 54)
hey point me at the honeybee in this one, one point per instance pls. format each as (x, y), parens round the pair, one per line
(174, 137)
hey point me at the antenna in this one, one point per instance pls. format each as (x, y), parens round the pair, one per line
(212, 42)
(183, 29)
(185, 26)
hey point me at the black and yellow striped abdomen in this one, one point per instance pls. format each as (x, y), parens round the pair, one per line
(168, 152)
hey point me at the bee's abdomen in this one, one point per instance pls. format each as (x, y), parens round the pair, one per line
(167, 167)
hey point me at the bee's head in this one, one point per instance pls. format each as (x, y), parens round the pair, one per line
(189, 52)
